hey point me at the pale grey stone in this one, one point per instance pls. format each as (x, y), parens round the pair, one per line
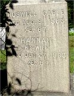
(31, 1)
(37, 1)
(41, 44)
(55, 0)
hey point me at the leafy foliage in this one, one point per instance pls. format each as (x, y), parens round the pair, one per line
(70, 13)
(3, 3)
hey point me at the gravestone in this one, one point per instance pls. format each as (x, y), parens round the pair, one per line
(41, 44)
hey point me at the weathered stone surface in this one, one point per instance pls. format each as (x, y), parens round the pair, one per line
(37, 1)
(41, 44)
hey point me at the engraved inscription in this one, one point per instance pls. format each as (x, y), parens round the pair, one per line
(52, 15)
(35, 47)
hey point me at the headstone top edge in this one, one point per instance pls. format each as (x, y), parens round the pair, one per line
(38, 1)
(41, 3)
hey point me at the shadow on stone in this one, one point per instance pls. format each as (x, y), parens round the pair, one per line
(13, 91)
(9, 46)
(10, 51)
